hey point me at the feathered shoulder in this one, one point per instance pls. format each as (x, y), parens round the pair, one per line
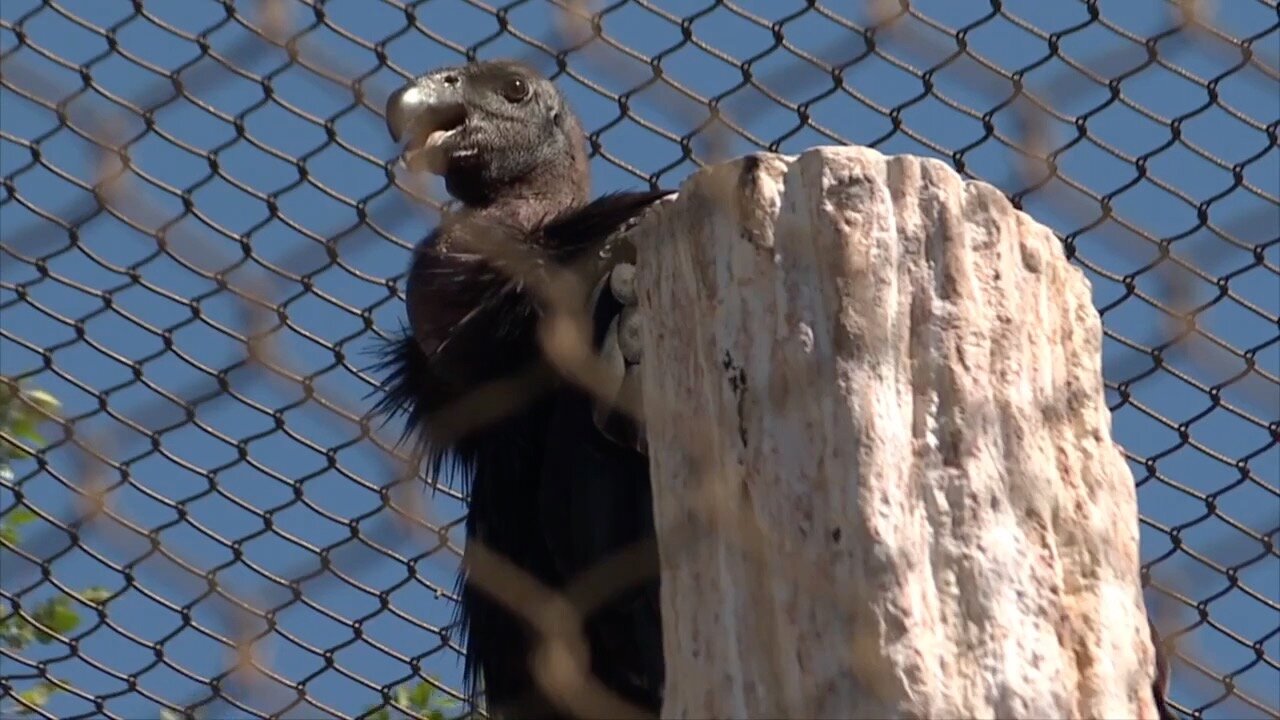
(482, 262)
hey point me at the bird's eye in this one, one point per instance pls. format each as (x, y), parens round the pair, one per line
(515, 90)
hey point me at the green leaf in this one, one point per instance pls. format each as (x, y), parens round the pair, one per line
(420, 698)
(9, 449)
(402, 696)
(95, 595)
(21, 420)
(36, 695)
(43, 400)
(26, 426)
(16, 632)
(13, 521)
(57, 615)
(19, 516)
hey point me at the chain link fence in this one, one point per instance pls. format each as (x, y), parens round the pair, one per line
(203, 235)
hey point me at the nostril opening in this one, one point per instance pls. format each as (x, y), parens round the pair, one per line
(450, 79)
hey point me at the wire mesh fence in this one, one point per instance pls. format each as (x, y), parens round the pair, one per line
(203, 234)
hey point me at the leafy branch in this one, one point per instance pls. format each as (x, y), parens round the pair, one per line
(422, 699)
(22, 412)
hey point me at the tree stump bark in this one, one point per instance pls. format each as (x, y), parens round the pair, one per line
(884, 479)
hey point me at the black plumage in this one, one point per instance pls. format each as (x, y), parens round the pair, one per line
(548, 491)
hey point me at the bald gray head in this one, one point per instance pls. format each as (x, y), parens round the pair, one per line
(495, 131)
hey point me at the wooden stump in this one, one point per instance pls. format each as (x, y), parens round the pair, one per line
(884, 478)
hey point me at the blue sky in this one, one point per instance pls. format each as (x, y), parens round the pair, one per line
(191, 238)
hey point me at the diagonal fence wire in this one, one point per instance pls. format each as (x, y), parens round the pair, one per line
(203, 236)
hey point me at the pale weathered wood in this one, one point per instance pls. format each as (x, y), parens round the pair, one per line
(884, 477)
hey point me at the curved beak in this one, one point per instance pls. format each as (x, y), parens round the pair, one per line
(429, 104)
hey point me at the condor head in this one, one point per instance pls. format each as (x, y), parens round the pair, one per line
(487, 127)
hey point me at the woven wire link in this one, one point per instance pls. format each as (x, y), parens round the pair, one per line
(204, 235)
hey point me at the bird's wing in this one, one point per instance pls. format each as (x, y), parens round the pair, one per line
(595, 500)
